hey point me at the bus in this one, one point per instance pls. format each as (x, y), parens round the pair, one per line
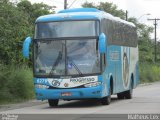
(83, 53)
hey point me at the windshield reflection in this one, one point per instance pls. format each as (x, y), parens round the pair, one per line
(66, 57)
(66, 29)
(50, 57)
(84, 55)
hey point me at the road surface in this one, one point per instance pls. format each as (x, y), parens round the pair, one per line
(146, 100)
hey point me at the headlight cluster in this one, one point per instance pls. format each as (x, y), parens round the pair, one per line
(41, 86)
(94, 84)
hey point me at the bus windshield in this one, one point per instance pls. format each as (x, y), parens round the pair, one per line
(66, 29)
(66, 57)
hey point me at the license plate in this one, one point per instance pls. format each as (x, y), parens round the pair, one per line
(66, 94)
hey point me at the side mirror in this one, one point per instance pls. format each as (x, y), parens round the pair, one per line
(102, 43)
(26, 45)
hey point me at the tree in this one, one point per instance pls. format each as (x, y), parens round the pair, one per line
(14, 25)
(108, 7)
(35, 10)
(17, 22)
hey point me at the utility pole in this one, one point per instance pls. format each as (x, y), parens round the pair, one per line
(126, 15)
(155, 33)
(65, 4)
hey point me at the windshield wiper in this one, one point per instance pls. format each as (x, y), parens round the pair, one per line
(56, 62)
(75, 66)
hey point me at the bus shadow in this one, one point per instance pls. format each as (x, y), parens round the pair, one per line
(84, 103)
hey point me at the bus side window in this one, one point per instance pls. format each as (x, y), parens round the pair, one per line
(126, 35)
(113, 33)
(122, 33)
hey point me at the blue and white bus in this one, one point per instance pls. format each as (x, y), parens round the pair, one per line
(83, 53)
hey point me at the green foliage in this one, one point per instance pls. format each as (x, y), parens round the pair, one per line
(34, 10)
(16, 23)
(108, 7)
(13, 29)
(158, 52)
(16, 83)
(149, 72)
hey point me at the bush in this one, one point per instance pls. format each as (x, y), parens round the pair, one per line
(149, 72)
(16, 83)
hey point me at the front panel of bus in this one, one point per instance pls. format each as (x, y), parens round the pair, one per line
(67, 63)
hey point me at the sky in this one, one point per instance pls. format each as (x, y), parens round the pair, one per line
(135, 8)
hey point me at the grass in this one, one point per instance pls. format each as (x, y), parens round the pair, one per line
(16, 84)
(149, 72)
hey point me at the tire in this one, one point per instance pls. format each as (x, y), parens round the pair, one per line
(129, 94)
(106, 100)
(120, 95)
(53, 103)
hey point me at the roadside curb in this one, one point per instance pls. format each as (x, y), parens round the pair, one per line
(21, 105)
(146, 84)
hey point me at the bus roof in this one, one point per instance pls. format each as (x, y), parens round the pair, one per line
(80, 14)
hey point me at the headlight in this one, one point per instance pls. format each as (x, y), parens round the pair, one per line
(94, 84)
(41, 86)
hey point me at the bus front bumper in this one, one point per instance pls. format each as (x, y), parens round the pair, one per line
(69, 94)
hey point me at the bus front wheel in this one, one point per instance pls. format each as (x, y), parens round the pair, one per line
(106, 100)
(53, 103)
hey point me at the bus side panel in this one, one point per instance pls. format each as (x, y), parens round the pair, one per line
(134, 65)
(114, 66)
(122, 62)
(126, 72)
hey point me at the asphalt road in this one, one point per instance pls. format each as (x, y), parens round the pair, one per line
(146, 100)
